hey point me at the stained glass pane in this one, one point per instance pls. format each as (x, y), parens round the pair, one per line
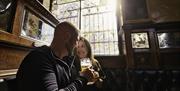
(66, 10)
(63, 1)
(99, 17)
(140, 40)
(46, 4)
(169, 40)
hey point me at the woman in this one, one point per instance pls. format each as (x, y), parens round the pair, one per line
(84, 53)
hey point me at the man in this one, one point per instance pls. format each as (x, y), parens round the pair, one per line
(51, 68)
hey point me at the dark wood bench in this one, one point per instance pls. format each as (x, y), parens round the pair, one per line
(8, 80)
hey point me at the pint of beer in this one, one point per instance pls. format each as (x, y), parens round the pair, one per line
(85, 63)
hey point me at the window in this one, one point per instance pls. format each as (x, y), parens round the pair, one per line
(95, 18)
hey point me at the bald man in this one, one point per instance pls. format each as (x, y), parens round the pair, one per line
(52, 68)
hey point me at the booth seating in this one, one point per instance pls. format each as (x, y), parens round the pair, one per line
(115, 80)
(125, 80)
(8, 84)
(3, 85)
(154, 80)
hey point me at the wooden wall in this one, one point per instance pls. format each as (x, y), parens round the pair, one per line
(11, 44)
(151, 17)
(11, 56)
(117, 62)
(14, 47)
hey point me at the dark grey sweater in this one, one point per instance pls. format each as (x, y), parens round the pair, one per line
(42, 71)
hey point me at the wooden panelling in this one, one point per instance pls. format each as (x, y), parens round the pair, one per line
(38, 9)
(41, 12)
(14, 47)
(8, 37)
(164, 10)
(14, 37)
(10, 58)
(170, 60)
(135, 11)
(18, 18)
(112, 61)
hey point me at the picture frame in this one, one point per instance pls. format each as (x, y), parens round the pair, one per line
(34, 28)
(140, 40)
(168, 39)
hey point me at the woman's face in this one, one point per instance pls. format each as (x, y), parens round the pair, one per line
(81, 50)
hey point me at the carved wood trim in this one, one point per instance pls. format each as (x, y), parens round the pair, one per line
(41, 11)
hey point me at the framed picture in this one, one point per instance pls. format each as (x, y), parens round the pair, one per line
(169, 39)
(140, 40)
(36, 29)
(31, 25)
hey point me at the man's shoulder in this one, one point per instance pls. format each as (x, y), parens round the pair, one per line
(42, 54)
(41, 49)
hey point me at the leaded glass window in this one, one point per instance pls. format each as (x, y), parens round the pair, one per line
(67, 10)
(95, 18)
